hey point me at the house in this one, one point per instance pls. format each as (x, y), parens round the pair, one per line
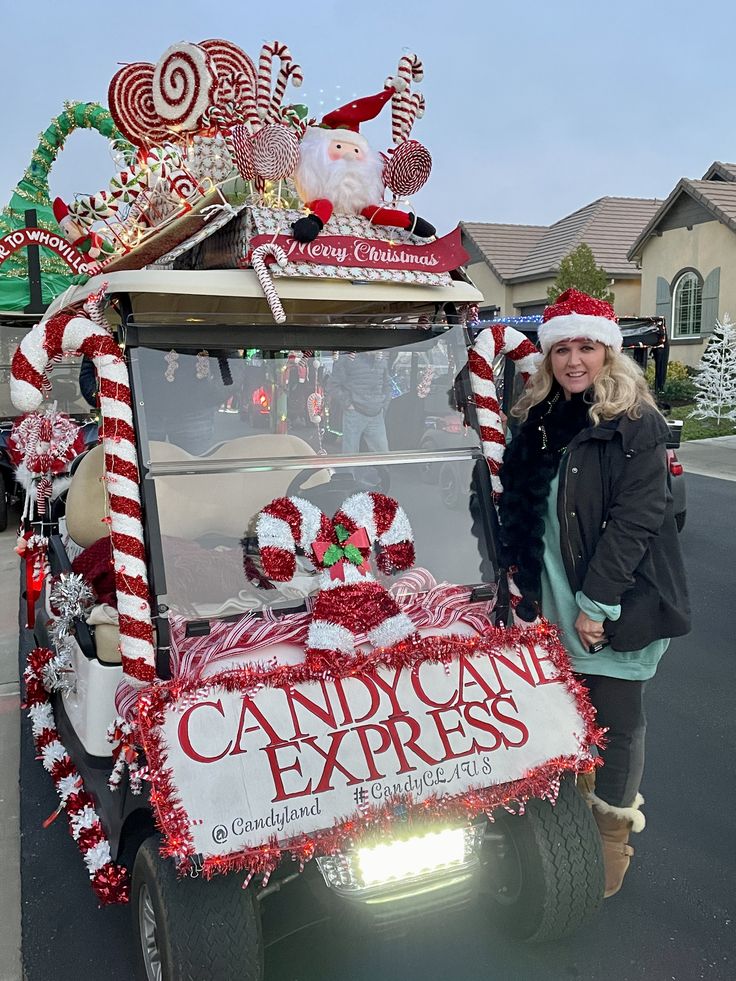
(687, 257)
(513, 265)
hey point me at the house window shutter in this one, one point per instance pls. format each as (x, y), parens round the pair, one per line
(711, 288)
(664, 300)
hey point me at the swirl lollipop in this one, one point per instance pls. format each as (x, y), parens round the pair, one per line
(183, 85)
(130, 97)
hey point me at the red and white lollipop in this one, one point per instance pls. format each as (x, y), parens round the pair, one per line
(130, 98)
(184, 81)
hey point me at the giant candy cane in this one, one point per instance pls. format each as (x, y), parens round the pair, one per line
(494, 340)
(65, 334)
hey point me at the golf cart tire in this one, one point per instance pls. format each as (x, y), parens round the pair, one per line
(679, 520)
(203, 929)
(560, 865)
(3, 504)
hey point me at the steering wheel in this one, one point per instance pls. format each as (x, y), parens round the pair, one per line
(343, 483)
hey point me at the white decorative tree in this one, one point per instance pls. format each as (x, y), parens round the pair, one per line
(715, 379)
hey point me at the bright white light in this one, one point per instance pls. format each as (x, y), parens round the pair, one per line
(405, 859)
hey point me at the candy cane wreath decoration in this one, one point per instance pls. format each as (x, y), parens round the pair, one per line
(65, 334)
(350, 601)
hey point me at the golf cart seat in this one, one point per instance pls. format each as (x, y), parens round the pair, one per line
(194, 505)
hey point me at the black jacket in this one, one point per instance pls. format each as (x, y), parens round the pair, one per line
(619, 540)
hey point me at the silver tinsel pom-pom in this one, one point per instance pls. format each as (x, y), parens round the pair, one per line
(71, 596)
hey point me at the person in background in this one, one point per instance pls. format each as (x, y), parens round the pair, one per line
(588, 523)
(362, 385)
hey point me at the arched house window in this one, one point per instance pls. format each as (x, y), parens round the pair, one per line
(689, 304)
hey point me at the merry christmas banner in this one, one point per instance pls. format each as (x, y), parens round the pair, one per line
(441, 726)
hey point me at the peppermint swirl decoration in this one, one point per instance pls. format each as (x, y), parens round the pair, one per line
(130, 97)
(275, 151)
(183, 85)
(408, 168)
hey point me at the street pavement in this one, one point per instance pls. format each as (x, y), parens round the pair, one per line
(10, 963)
(710, 458)
(673, 921)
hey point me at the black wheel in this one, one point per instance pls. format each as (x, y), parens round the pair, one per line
(680, 520)
(189, 929)
(3, 503)
(544, 868)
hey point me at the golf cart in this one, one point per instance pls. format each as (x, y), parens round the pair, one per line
(421, 776)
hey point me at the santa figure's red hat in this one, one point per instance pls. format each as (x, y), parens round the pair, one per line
(344, 123)
(60, 210)
(575, 314)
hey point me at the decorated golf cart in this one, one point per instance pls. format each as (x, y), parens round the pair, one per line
(263, 645)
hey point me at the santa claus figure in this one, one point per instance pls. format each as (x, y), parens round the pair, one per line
(89, 243)
(338, 172)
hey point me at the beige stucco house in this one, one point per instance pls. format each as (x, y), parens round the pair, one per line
(513, 265)
(687, 257)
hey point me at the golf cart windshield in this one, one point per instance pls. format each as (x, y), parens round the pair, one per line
(222, 433)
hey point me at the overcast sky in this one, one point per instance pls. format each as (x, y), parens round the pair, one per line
(533, 109)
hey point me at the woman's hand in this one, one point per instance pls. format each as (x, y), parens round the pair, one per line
(589, 631)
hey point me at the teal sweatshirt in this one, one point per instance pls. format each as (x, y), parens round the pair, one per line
(562, 607)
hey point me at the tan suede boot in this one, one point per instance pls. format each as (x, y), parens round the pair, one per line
(615, 824)
(585, 782)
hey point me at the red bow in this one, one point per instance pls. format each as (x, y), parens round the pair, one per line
(358, 540)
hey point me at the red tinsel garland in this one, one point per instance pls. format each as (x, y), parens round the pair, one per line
(109, 881)
(542, 782)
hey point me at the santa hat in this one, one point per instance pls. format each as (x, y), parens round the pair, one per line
(60, 210)
(575, 314)
(344, 123)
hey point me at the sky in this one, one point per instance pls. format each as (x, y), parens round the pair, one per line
(534, 109)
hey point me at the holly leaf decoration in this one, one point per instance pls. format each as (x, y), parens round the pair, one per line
(353, 554)
(333, 554)
(342, 533)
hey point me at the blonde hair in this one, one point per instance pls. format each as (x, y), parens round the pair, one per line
(619, 388)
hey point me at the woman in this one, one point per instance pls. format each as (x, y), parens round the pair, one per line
(587, 521)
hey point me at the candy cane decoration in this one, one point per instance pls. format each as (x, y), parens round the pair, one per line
(339, 550)
(94, 306)
(405, 107)
(258, 260)
(269, 103)
(67, 334)
(495, 340)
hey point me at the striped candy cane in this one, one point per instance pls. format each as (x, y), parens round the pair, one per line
(258, 260)
(269, 102)
(404, 106)
(495, 340)
(67, 334)
(291, 523)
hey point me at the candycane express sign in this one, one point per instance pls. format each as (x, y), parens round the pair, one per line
(24, 237)
(440, 256)
(290, 760)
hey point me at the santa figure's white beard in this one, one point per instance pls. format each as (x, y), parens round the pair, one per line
(350, 185)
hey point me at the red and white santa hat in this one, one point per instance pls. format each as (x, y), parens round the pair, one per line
(344, 123)
(61, 211)
(575, 314)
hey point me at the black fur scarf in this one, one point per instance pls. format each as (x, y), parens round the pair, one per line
(529, 466)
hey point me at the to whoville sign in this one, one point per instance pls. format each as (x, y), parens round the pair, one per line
(24, 237)
(292, 760)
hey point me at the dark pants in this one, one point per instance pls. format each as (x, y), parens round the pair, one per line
(620, 708)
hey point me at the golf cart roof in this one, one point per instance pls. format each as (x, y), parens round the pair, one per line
(236, 292)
